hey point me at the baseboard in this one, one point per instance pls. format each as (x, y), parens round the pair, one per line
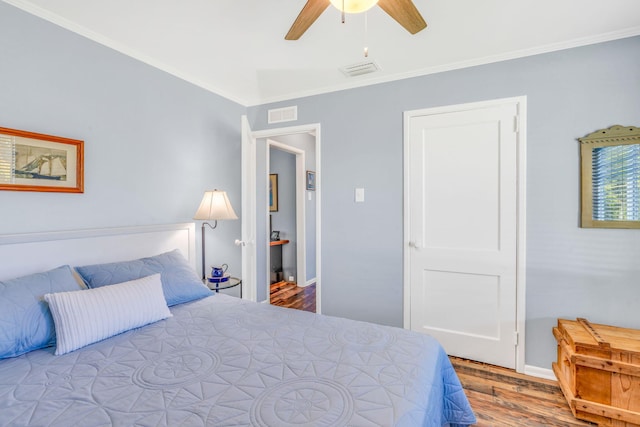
(538, 372)
(307, 283)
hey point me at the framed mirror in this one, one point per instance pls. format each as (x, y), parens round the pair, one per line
(610, 178)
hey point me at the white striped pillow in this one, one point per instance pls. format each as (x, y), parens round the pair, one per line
(87, 316)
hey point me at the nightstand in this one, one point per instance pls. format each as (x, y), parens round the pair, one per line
(228, 284)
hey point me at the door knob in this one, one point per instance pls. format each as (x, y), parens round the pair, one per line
(239, 242)
(415, 245)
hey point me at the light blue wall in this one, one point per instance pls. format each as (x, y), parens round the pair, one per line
(570, 271)
(153, 143)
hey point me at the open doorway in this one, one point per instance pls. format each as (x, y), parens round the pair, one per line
(291, 183)
(255, 212)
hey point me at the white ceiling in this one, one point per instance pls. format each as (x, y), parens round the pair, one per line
(236, 48)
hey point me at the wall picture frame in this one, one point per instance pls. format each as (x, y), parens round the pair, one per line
(273, 192)
(311, 181)
(32, 161)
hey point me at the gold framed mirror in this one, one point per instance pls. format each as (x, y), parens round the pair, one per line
(610, 178)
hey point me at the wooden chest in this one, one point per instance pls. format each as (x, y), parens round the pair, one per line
(598, 369)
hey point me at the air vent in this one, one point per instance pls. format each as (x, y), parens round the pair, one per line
(279, 115)
(360, 68)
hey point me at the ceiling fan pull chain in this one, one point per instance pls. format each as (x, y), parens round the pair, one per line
(343, 11)
(366, 32)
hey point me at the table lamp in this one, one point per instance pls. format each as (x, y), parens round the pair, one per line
(215, 205)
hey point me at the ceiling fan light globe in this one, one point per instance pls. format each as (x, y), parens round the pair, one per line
(354, 6)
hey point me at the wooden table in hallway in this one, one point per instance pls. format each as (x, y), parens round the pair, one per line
(277, 274)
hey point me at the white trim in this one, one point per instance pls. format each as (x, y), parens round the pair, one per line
(538, 372)
(267, 213)
(285, 147)
(290, 130)
(250, 194)
(33, 252)
(318, 222)
(301, 237)
(248, 216)
(406, 265)
(8, 239)
(521, 53)
(521, 104)
(521, 261)
(308, 282)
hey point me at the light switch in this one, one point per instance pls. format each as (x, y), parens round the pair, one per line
(359, 195)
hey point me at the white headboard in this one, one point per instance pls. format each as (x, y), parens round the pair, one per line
(22, 254)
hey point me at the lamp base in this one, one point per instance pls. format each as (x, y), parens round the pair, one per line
(215, 224)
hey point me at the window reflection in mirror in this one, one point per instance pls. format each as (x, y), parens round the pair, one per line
(610, 175)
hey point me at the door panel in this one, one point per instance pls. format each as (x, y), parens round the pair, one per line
(446, 292)
(458, 173)
(463, 229)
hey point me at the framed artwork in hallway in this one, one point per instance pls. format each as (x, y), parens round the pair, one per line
(273, 192)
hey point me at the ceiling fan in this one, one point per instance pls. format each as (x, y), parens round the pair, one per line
(403, 11)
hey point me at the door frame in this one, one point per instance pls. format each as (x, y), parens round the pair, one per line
(249, 208)
(301, 228)
(520, 125)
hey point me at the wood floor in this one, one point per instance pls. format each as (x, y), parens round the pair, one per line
(287, 294)
(501, 397)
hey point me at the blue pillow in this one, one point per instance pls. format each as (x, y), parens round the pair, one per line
(25, 320)
(179, 282)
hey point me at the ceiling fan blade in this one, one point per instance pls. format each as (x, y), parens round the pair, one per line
(307, 16)
(405, 13)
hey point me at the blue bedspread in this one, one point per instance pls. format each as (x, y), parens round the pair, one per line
(222, 361)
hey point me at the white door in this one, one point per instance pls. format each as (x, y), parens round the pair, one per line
(248, 216)
(462, 229)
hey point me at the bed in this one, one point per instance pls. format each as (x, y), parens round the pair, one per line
(214, 360)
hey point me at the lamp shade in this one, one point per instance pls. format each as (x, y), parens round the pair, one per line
(354, 6)
(215, 205)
